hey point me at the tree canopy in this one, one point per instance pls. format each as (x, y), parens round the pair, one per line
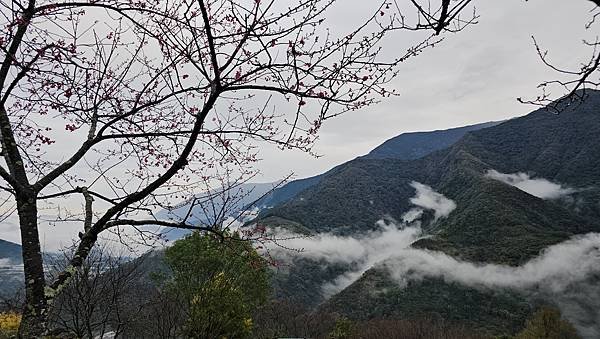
(220, 282)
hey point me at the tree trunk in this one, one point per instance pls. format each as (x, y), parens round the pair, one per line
(33, 324)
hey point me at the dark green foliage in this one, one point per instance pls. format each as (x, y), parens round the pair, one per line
(493, 222)
(375, 295)
(288, 319)
(352, 198)
(285, 319)
(274, 222)
(344, 329)
(414, 329)
(219, 282)
(301, 280)
(560, 147)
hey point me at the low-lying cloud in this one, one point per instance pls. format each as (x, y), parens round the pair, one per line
(538, 187)
(554, 270)
(428, 199)
(363, 252)
(366, 250)
(564, 273)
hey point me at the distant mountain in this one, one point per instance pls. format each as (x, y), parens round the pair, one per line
(288, 191)
(493, 222)
(11, 268)
(560, 148)
(415, 145)
(10, 252)
(406, 146)
(214, 206)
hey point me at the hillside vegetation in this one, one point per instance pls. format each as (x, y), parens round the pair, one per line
(493, 223)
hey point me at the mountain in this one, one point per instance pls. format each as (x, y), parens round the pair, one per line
(494, 221)
(415, 145)
(288, 191)
(560, 148)
(406, 146)
(516, 187)
(214, 206)
(11, 268)
(10, 252)
(489, 311)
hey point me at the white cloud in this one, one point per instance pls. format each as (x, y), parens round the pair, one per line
(366, 250)
(555, 269)
(363, 251)
(427, 198)
(565, 273)
(559, 273)
(538, 187)
(412, 215)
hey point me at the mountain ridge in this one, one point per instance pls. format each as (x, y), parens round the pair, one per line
(11, 251)
(494, 222)
(405, 146)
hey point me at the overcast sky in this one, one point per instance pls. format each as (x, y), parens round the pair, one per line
(473, 76)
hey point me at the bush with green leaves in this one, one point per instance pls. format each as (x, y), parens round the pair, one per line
(220, 282)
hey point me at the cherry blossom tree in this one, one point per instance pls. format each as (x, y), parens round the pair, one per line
(112, 109)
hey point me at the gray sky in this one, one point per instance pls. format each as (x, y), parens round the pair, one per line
(473, 76)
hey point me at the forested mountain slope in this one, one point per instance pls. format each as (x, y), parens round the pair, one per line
(562, 148)
(406, 146)
(495, 221)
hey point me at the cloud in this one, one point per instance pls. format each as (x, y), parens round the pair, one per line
(538, 187)
(428, 199)
(580, 303)
(364, 251)
(412, 215)
(565, 273)
(554, 270)
(9, 229)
